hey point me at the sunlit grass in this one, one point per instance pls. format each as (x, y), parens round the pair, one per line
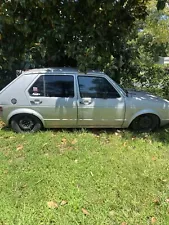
(91, 177)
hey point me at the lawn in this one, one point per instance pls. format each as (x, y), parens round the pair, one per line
(84, 177)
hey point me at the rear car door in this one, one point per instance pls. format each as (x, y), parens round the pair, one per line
(54, 97)
(99, 104)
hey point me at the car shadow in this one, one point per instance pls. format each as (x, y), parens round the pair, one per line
(160, 135)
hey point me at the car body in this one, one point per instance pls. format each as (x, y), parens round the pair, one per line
(67, 98)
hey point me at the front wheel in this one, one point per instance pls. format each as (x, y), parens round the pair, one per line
(144, 123)
(25, 123)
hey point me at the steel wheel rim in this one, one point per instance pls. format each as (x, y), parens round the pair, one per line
(26, 123)
(145, 122)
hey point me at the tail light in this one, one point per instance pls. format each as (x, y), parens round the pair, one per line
(1, 109)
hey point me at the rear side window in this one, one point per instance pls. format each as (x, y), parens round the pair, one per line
(96, 87)
(53, 86)
(37, 89)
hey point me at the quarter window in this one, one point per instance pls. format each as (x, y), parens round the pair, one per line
(37, 89)
(53, 86)
(96, 87)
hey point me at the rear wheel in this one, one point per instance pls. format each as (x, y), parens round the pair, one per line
(146, 122)
(25, 123)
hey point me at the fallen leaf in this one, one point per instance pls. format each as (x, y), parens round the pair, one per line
(74, 141)
(97, 135)
(91, 173)
(164, 180)
(63, 202)
(12, 137)
(52, 205)
(85, 212)
(64, 140)
(20, 147)
(1, 123)
(153, 220)
(156, 201)
(125, 143)
(154, 158)
(24, 186)
(44, 144)
(123, 223)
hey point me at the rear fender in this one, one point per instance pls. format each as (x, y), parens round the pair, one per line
(24, 111)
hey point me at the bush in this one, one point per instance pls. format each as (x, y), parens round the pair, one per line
(154, 79)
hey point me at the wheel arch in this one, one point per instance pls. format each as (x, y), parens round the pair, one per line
(24, 111)
(143, 112)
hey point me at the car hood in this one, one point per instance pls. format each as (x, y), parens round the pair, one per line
(145, 96)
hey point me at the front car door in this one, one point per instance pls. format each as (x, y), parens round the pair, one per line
(54, 97)
(99, 104)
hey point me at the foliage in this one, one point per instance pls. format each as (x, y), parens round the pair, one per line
(154, 32)
(6, 76)
(53, 33)
(153, 79)
(88, 34)
(161, 4)
(148, 41)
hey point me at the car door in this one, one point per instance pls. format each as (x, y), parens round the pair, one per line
(99, 104)
(54, 97)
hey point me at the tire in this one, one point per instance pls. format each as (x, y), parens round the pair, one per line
(25, 123)
(145, 123)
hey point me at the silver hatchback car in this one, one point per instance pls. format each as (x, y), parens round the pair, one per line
(65, 98)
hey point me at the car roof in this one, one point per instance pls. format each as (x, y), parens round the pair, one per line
(60, 70)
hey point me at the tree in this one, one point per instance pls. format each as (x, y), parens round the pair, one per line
(147, 41)
(86, 34)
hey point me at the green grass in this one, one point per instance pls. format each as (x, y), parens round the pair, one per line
(118, 177)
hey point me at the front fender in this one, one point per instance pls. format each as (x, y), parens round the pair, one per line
(25, 111)
(139, 113)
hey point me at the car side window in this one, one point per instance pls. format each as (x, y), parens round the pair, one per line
(96, 87)
(37, 89)
(53, 86)
(59, 86)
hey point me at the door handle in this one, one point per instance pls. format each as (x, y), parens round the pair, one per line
(36, 102)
